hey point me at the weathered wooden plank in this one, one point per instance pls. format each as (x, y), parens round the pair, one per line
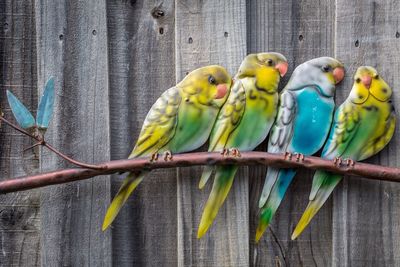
(366, 213)
(142, 66)
(72, 47)
(19, 212)
(211, 32)
(300, 30)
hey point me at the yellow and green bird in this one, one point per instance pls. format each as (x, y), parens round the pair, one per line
(363, 125)
(179, 121)
(243, 122)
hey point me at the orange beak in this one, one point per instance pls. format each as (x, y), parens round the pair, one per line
(222, 89)
(282, 67)
(366, 80)
(338, 74)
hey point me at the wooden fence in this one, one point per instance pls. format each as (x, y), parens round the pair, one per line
(111, 60)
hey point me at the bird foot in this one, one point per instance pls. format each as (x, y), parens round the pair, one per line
(225, 152)
(167, 155)
(299, 157)
(235, 152)
(154, 157)
(288, 156)
(337, 161)
(350, 162)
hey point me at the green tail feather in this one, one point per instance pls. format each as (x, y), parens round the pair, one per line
(222, 184)
(126, 189)
(277, 193)
(327, 182)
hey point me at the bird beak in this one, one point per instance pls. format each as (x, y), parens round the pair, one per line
(366, 80)
(222, 89)
(338, 74)
(282, 67)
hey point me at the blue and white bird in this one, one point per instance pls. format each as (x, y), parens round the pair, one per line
(301, 126)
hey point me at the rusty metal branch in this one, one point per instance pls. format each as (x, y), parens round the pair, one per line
(369, 171)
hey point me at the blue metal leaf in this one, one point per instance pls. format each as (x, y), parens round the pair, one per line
(21, 113)
(46, 105)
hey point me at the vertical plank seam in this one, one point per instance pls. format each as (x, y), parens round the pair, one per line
(333, 197)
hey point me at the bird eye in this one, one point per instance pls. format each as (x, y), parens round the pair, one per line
(376, 77)
(211, 80)
(326, 68)
(358, 80)
(270, 62)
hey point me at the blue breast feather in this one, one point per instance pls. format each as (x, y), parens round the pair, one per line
(313, 121)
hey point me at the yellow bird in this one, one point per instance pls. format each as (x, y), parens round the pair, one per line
(179, 121)
(243, 123)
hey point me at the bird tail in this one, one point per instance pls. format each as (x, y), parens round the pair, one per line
(205, 176)
(275, 196)
(127, 187)
(270, 181)
(323, 185)
(222, 184)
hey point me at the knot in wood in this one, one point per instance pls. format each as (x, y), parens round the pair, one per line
(157, 13)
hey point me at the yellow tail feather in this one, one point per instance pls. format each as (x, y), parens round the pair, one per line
(127, 187)
(325, 189)
(308, 214)
(222, 184)
(260, 231)
(205, 176)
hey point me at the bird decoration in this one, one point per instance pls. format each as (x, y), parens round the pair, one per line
(243, 123)
(301, 126)
(179, 121)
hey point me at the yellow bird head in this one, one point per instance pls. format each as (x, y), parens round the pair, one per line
(266, 68)
(368, 82)
(208, 85)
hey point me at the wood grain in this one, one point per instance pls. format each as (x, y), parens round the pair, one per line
(211, 32)
(72, 47)
(301, 30)
(111, 60)
(366, 214)
(19, 212)
(142, 66)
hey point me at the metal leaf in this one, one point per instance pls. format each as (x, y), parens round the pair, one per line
(21, 113)
(46, 105)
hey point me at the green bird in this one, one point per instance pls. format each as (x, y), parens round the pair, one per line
(243, 122)
(363, 126)
(180, 120)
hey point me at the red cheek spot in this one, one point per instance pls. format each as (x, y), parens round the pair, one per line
(282, 68)
(338, 74)
(222, 89)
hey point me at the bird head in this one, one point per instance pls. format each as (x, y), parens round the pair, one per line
(368, 82)
(210, 85)
(266, 68)
(323, 72)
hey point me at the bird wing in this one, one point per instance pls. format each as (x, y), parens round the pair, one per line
(344, 127)
(282, 130)
(229, 117)
(160, 124)
(228, 120)
(280, 138)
